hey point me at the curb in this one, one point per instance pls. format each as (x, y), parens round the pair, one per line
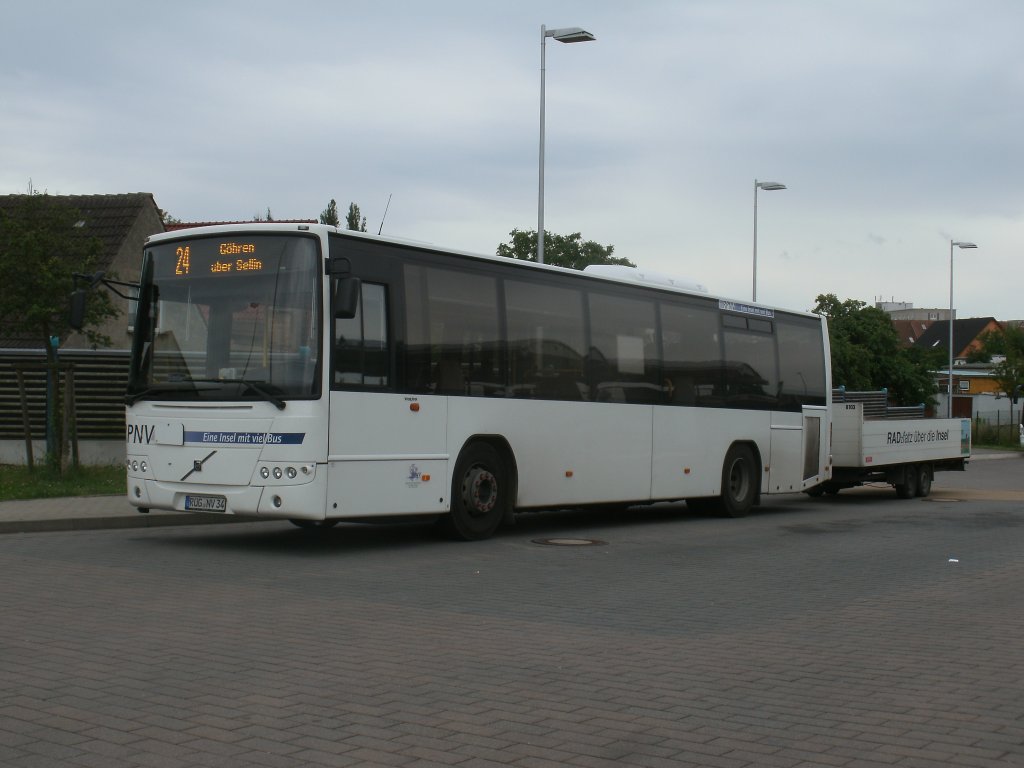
(122, 521)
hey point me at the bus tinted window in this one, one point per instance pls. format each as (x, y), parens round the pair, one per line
(622, 363)
(691, 354)
(452, 339)
(361, 355)
(801, 362)
(545, 341)
(751, 374)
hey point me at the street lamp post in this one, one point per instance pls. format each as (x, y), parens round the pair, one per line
(564, 35)
(768, 186)
(949, 395)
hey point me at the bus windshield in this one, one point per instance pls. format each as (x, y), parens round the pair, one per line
(228, 318)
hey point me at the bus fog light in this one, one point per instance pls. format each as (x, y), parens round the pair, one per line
(277, 473)
(276, 501)
(138, 492)
(264, 473)
(292, 473)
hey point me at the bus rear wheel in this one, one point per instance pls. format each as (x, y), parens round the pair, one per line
(479, 493)
(739, 481)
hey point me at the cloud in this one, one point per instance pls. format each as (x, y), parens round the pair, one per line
(901, 118)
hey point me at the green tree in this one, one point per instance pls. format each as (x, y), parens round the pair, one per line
(42, 245)
(329, 215)
(570, 251)
(866, 353)
(353, 220)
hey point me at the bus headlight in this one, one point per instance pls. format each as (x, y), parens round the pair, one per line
(291, 473)
(264, 472)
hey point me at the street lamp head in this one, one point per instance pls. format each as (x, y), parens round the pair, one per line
(960, 244)
(769, 186)
(570, 35)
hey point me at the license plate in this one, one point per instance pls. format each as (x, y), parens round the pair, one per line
(206, 503)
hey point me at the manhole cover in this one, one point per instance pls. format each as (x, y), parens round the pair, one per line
(570, 542)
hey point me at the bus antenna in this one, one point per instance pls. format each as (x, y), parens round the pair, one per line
(381, 228)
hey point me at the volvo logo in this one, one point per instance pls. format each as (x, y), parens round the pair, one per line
(197, 466)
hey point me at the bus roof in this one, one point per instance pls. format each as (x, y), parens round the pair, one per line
(618, 274)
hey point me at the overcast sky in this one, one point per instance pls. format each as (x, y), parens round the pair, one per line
(897, 125)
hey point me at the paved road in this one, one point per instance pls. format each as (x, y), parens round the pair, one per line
(851, 631)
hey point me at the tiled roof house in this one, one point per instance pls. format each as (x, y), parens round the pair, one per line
(122, 223)
(966, 335)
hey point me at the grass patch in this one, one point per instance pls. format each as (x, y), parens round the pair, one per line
(17, 482)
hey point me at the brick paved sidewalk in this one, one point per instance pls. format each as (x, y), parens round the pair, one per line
(89, 512)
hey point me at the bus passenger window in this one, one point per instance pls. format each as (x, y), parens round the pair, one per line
(751, 373)
(545, 341)
(692, 354)
(452, 338)
(622, 364)
(802, 379)
(361, 356)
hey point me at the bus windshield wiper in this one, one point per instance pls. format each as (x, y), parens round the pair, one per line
(164, 386)
(194, 385)
(246, 385)
(259, 388)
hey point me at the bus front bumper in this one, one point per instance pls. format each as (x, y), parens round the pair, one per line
(300, 502)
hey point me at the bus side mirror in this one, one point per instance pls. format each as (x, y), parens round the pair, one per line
(76, 318)
(346, 297)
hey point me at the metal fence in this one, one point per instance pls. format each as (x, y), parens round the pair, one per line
(1000, 426)
(100, 379)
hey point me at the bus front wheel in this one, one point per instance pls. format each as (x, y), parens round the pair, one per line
(479, 493)
(739, 481)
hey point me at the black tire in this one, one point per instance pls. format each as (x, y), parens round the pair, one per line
(739, 482)
(924, 480)
(313, 525)
(479, 493)
(816, 492)
(908, 488)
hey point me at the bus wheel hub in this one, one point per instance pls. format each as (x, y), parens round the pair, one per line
(480, 491)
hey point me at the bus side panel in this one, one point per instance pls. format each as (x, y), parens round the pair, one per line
(566, 453)
(387, 455)
(690, 446)
(786, 461)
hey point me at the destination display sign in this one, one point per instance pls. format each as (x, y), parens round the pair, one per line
(205, 258)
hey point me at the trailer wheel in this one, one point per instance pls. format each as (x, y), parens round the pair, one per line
(908, 488)
(739, 481)
(924, 479)
(479, 493)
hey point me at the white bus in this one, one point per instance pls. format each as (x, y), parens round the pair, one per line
(308, 373)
